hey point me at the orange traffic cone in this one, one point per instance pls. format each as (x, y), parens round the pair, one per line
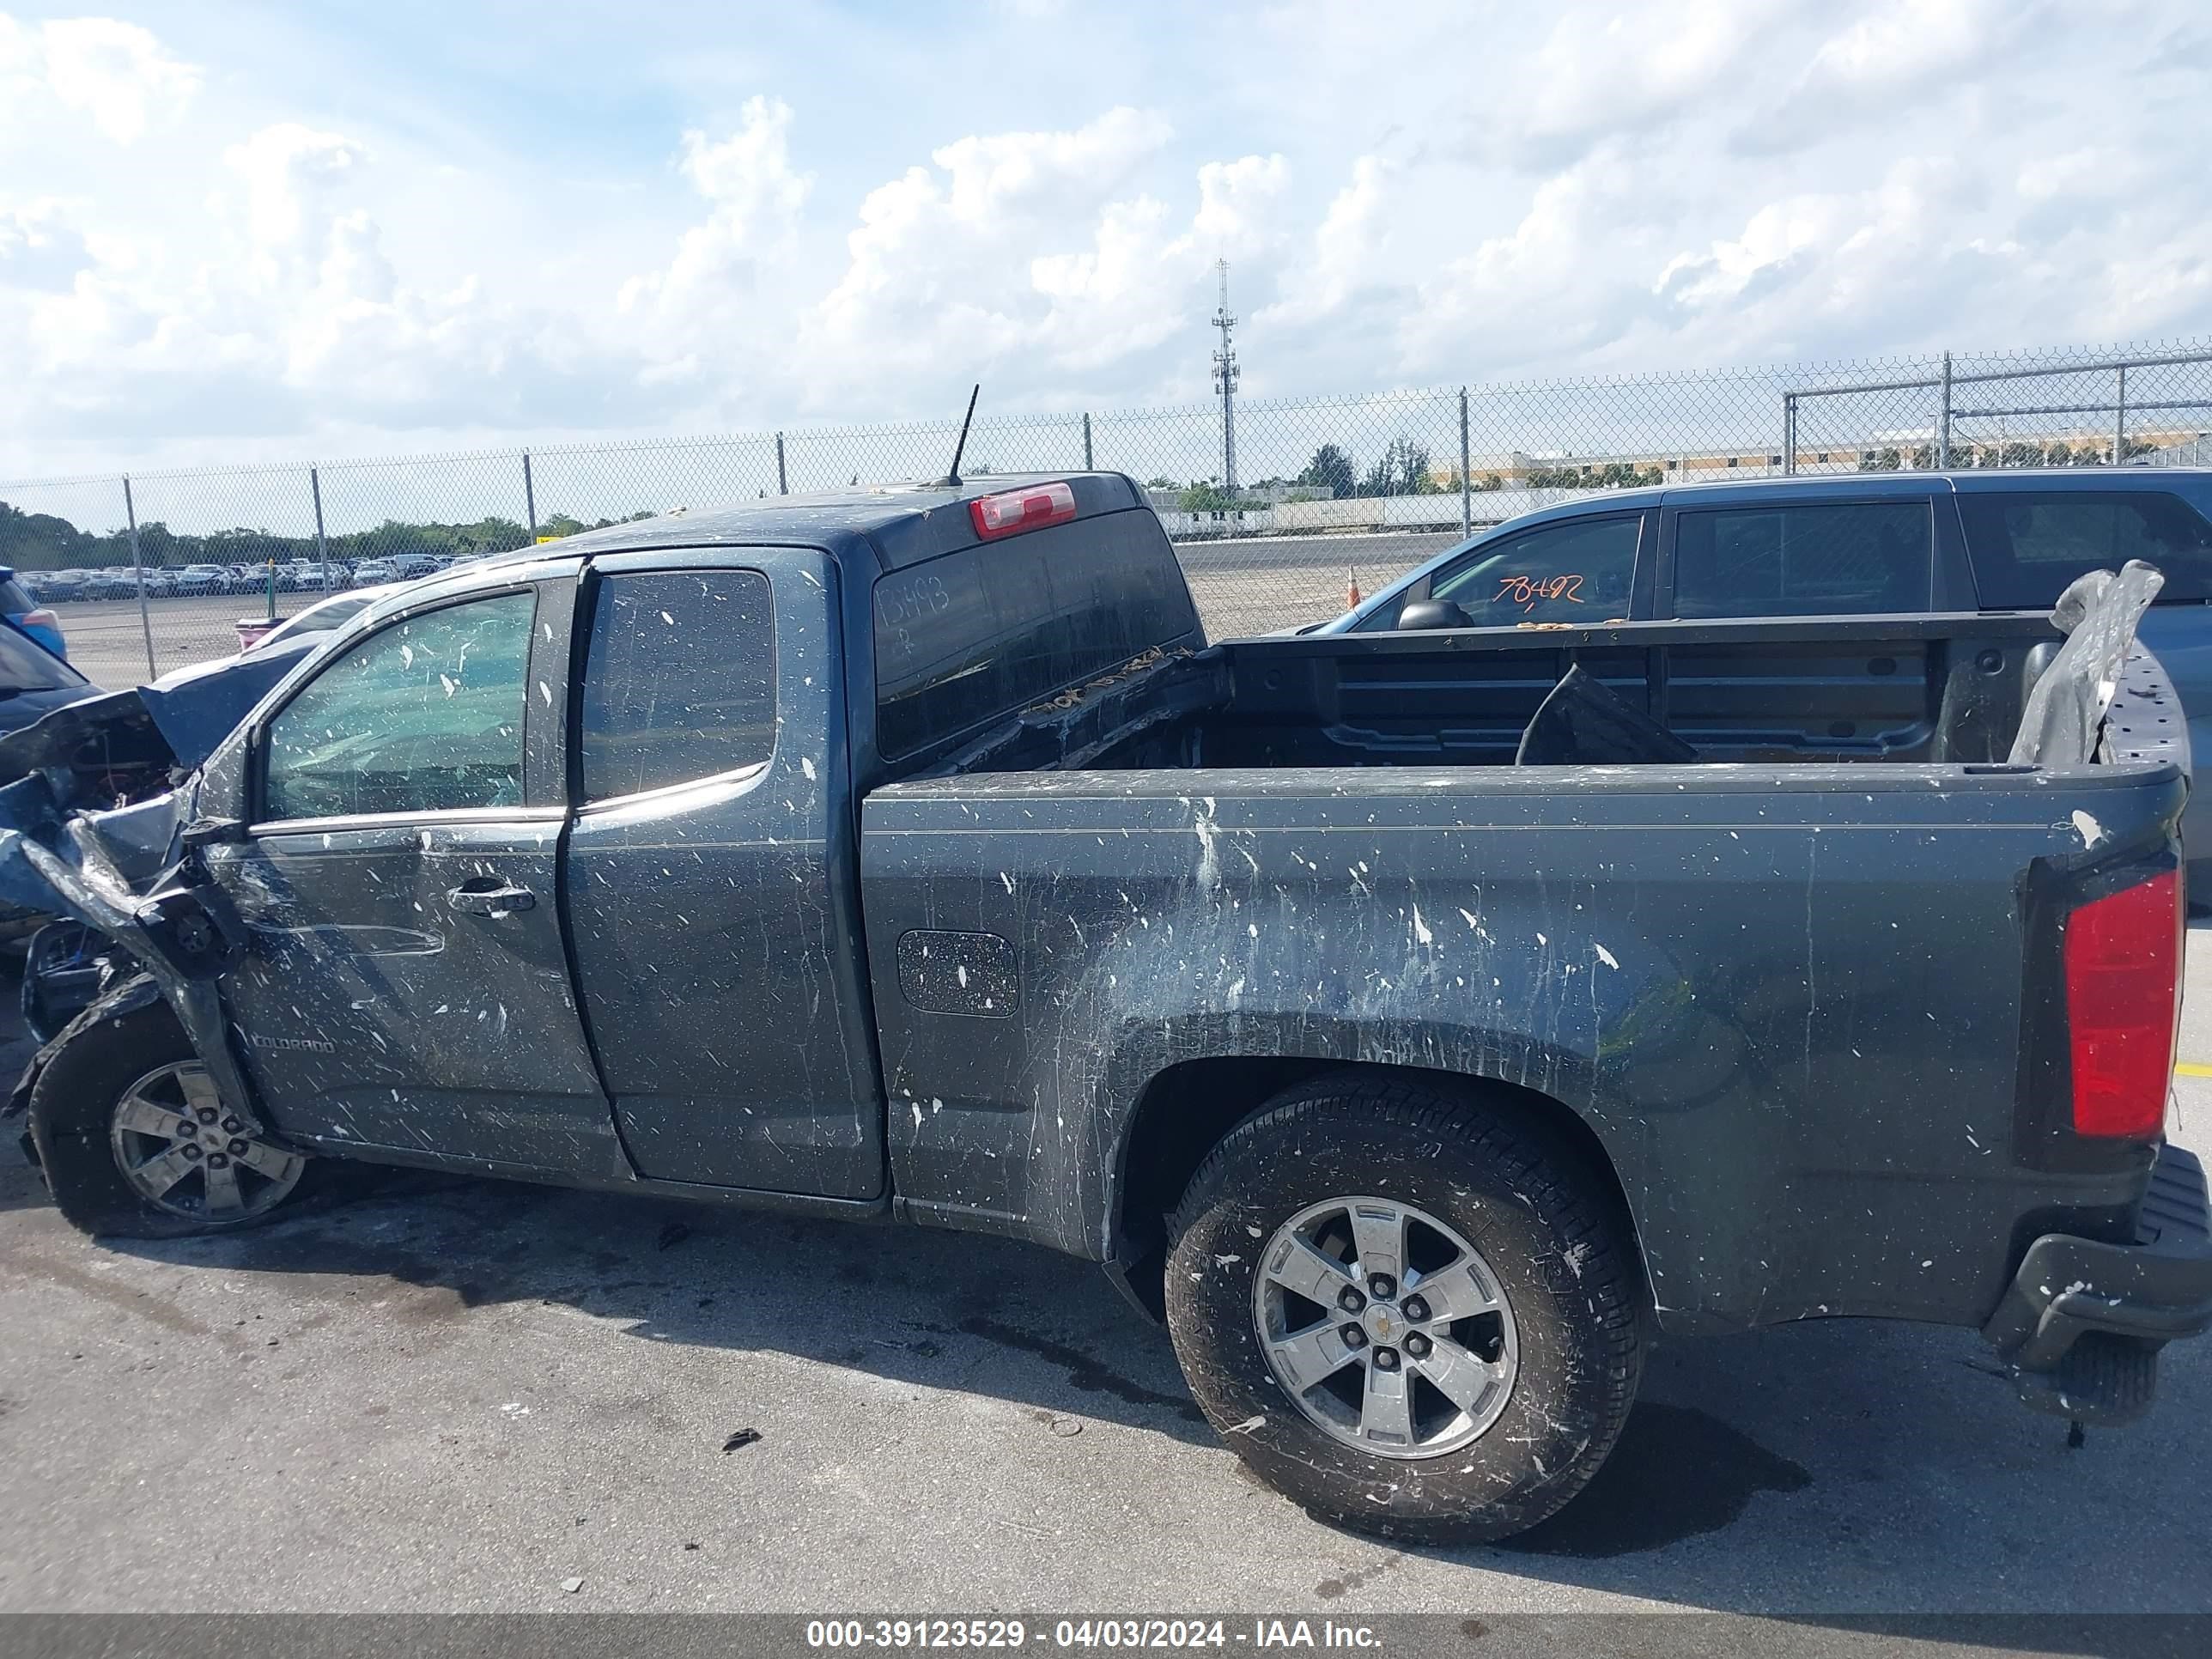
(1352, 592)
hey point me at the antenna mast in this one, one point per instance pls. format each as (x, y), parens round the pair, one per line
(951, 478)
(1225, 382)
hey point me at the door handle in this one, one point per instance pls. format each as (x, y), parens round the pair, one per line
(500, 899)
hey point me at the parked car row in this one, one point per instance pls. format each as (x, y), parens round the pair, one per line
(49, 587)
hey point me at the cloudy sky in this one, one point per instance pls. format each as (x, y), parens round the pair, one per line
(233, 231)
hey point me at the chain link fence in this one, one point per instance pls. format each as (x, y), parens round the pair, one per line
(1317, 499)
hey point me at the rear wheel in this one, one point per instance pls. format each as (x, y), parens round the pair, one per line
(136, 1141)
(1413, 1313)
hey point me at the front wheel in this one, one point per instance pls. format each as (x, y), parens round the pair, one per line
(1414, 1314)
(135, 1142)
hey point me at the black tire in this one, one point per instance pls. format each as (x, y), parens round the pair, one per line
(1548, 1231)
(100, 1058)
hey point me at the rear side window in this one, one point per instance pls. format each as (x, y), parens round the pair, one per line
(680, 683)
(2025, 547)
(1821, 559)
(1582, 570)
(995, 628)
(15, 599)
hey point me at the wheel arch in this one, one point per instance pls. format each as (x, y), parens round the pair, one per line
(1185, 1110)
(139, 990)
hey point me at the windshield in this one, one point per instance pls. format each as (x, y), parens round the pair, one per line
(1380, 614)
(319, 618)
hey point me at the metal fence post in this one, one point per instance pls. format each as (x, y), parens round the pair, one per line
(783, 478)
(1943, 426)
(322, 546)
(1088, 466)
(1789, 435)
(529, 497)
(1466, 483)
(2120, 417)
(138, 567)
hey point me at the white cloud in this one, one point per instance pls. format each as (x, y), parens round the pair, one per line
(1607, 72)
(754, 196)
(1906, 43)
(1893, 55)
(1452, 199)
(292, 175)
(1347, 247)
(1029, 249)
(115, 74)
(1770, 241)
(284, 302)
(40, 248)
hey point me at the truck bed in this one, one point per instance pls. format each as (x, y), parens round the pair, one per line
(1763, 987)
(1947, 687)
(1765, 990)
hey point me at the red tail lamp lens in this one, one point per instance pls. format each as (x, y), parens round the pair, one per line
(2123, 1002)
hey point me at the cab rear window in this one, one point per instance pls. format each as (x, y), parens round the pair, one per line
(972, 636)
(2027, 546)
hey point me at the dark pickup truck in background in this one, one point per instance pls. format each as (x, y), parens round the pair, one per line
(908, 855)
(1844, 545)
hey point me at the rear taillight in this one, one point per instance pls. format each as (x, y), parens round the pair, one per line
(2123, 1002)
(41, 618)
(1018, 510)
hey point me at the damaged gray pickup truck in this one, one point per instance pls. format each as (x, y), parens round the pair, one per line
(1421, 1022)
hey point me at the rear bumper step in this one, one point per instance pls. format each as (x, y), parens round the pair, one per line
(2084, 1320)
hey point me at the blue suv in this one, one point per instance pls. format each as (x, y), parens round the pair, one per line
(1858, 543)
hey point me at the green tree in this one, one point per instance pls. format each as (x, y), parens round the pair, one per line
(1330, 469)
(1207, 497)
(1401, 469)
(39, 541)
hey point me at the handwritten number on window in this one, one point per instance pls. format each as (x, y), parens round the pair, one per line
(1525, 591)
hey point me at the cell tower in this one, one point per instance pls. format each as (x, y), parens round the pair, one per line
(1224, 381)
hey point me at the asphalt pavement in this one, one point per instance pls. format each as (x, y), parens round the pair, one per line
(444, 1394)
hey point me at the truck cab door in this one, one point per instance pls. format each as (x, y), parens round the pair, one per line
(711, 895)
(407, 990)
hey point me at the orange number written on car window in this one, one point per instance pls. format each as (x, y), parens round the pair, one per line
(1525, 591)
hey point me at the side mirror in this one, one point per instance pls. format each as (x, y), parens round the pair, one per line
(221, 811)
(1433, 613)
